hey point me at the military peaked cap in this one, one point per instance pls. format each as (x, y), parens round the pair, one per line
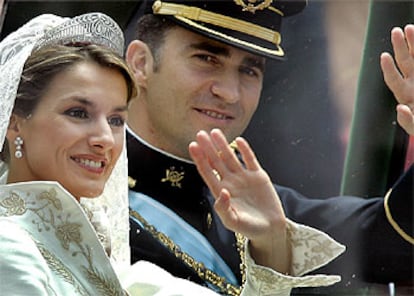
(252, 25)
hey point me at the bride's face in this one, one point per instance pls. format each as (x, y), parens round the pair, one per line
(76, 133)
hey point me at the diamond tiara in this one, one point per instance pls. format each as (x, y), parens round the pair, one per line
(90, 28)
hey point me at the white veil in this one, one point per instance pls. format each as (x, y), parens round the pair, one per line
(46, 29)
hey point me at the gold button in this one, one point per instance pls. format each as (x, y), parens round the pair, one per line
(209, 220)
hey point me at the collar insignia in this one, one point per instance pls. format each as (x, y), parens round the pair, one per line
(131, 182)
(173, 176)
(253, 5)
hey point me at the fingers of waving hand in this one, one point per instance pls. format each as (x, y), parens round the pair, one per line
(214, 158)
(393, 78)
(399, 74)
(246, 200)
(403, 90)
(403, 43)
(405, 117)
(221, 168)
(226, 212)
(248, 156)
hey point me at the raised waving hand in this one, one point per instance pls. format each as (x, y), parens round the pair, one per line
(399, 74)
(246, 200)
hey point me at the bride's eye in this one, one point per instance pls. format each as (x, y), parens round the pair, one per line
(77, 113)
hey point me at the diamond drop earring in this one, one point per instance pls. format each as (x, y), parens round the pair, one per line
(18, 142)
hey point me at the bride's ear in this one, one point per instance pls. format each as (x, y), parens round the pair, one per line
(13, 129)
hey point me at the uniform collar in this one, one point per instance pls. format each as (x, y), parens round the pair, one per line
(158, 167)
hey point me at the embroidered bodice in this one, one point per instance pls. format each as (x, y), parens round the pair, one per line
(64, 236)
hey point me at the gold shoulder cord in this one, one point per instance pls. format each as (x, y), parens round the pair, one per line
(198, 267)
(393, 223)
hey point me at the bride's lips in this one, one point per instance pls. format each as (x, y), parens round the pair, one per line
(91, 163)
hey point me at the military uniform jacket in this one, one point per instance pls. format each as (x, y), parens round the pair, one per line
(176, 191)
(375, 251)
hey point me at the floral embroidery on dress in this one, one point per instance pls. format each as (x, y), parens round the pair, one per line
(68, 233)
(59, 268)
(51, 196)
(105, 286)
(49, 215)
(98, 217)
(14, 205)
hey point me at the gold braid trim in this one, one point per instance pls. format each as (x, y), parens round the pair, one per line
(198, 14)
(278, 52)
(198, 267)
(393, 223)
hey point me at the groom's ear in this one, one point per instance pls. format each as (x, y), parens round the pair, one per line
(140, 60)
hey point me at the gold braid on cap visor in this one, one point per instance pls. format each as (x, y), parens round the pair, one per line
(187, 13)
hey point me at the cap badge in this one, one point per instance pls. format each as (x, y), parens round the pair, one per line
(253, 5)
